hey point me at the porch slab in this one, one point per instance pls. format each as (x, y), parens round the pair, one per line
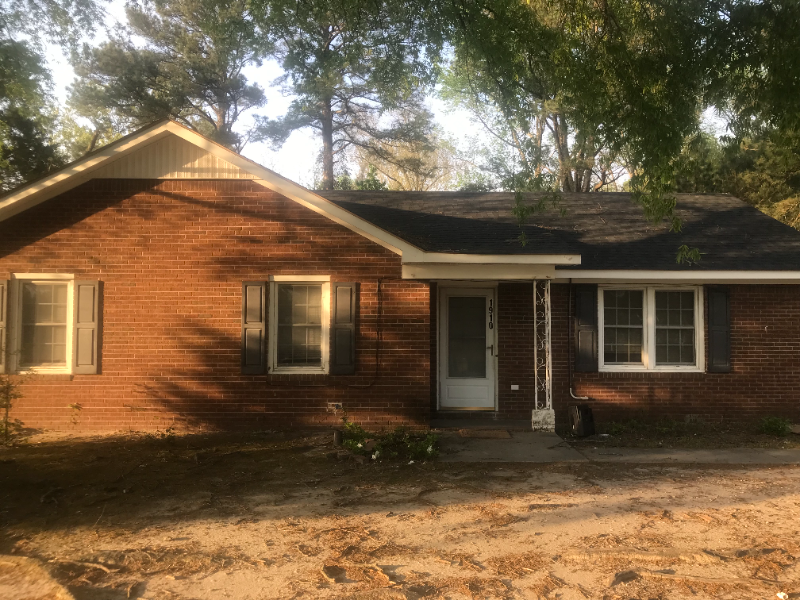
(521, 446)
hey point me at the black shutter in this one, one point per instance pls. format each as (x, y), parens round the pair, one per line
(586, 328)
(86, 332)
(3, 323)
(343, 328)
(719, 330)
(254, 327)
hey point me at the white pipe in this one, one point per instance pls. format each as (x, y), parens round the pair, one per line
(577, 397)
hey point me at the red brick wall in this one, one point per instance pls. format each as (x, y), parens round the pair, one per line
(515, 337)
(765, 358)
(172, 256)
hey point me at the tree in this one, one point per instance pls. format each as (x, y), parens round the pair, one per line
(755, 74)
(367, 181)
(351, 64)
(532, 146)
(699, 166)
(427, 162)
(625, 78)
(188, 67)
(764, 170)
(27, 116)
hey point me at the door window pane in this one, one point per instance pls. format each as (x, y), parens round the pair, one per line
(623, 323)
(300, 325)
(675, 328)
(466, 336)
(44, 324)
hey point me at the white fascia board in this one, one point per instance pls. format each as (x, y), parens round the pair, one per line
(492, 259)
(695, 277)
(75, 174)
(477, 272)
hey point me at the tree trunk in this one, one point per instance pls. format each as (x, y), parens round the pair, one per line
(539, 135)
(560, 137)
(326, 121)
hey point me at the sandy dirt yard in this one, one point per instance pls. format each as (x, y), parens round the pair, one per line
(272, 516)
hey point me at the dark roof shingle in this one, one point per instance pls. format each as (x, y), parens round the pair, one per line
(608, 230)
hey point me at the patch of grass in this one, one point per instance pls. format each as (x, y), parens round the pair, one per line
(775, 426)
(400, 444)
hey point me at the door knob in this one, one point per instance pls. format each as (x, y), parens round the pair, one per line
(491, 348)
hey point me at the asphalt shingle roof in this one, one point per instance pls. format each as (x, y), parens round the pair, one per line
(608, 230)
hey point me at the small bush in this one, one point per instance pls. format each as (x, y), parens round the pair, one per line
(10, 429)
(777, 426)
(354, 436)
(397, 444)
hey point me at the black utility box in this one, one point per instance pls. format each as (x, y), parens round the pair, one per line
(581, 421)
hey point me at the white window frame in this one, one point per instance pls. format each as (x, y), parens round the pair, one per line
(15, 321)
(274, 282)
(648, 363)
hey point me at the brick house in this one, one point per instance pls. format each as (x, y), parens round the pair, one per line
(165, 281)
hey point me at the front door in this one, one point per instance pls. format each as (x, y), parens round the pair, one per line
(467, 348)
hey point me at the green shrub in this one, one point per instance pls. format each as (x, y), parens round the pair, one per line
(354, 436)
(777, 426)
(397, 444)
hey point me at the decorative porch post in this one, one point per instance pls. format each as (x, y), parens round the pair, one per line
(543, 418)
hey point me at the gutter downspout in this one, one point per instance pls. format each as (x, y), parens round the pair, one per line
(572, 395)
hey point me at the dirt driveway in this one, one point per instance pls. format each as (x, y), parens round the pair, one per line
(268, 516)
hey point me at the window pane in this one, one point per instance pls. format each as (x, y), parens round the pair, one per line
(623, 326)
(466, 327)
(675, 335)
(44, 324)
(300, 325)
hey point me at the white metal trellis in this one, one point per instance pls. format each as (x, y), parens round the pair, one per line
(543, 397)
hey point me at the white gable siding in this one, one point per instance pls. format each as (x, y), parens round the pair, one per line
(170, 158)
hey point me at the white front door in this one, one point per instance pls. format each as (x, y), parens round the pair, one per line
(467, 348)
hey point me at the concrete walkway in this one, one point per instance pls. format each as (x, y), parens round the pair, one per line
(544, 447)
(522, 446)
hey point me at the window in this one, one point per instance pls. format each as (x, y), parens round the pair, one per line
(623, 313)
(675, 328)
(650, 328)
(41, 323)
(44, 324)
(299, 326)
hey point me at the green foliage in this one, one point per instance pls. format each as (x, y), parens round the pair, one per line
(9, 392)
(369, 182)
(699, 165)
(764, 170)
(27, 147)
(776, 426)
(179, 59)
(399, 444)
(689, 256)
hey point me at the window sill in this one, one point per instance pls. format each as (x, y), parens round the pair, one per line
(42, 371)
(653, 370)
(298, 371)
